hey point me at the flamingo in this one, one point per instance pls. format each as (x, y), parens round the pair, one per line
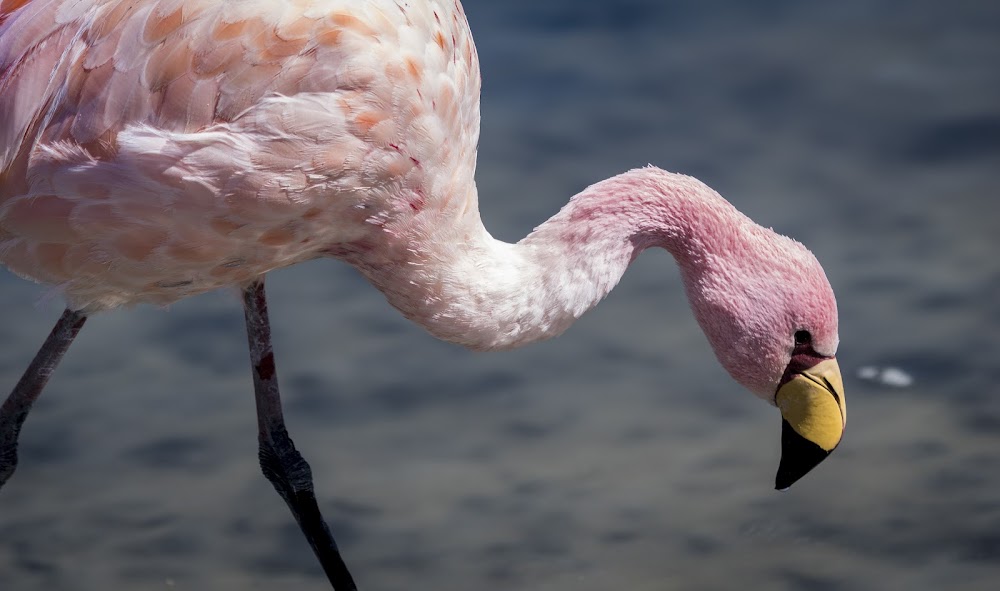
(151, 150)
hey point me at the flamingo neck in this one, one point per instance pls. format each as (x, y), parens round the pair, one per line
(468, 288)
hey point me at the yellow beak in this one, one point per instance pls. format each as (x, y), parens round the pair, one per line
(814, 413)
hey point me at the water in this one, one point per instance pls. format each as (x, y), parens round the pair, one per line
(619, 455)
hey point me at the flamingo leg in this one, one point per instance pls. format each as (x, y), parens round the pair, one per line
(15, 409)
(281, 463)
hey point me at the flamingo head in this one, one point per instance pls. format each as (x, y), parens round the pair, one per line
(770, 315)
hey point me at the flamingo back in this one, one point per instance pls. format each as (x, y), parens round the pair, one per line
(155, 149)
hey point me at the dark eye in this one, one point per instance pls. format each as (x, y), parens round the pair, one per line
(802, 337)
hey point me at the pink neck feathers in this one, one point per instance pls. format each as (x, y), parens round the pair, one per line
(487, 294)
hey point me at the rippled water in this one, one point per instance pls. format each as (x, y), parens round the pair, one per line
(619, 455)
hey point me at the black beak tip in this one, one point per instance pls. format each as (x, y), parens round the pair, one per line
(784, 480)
(798, 457)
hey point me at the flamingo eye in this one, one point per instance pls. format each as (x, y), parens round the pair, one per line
(802, 337)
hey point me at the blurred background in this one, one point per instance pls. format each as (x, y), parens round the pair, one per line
(619, 455)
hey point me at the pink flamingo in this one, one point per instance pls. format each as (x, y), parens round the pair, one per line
(155, 149)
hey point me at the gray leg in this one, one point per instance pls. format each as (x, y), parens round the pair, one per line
(281, 463)
(15, 409)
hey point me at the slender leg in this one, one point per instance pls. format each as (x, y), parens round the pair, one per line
(15, 409)
(281, 463)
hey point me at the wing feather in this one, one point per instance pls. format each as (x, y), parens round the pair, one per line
(155, 62)
(150, 149)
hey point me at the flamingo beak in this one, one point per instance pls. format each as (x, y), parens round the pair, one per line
(814, 413)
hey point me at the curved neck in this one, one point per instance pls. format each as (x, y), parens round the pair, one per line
(468, 288)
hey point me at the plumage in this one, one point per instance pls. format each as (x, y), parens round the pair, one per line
(270, 131)
(156, 149)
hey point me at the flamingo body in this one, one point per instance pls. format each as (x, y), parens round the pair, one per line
(154, 150)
